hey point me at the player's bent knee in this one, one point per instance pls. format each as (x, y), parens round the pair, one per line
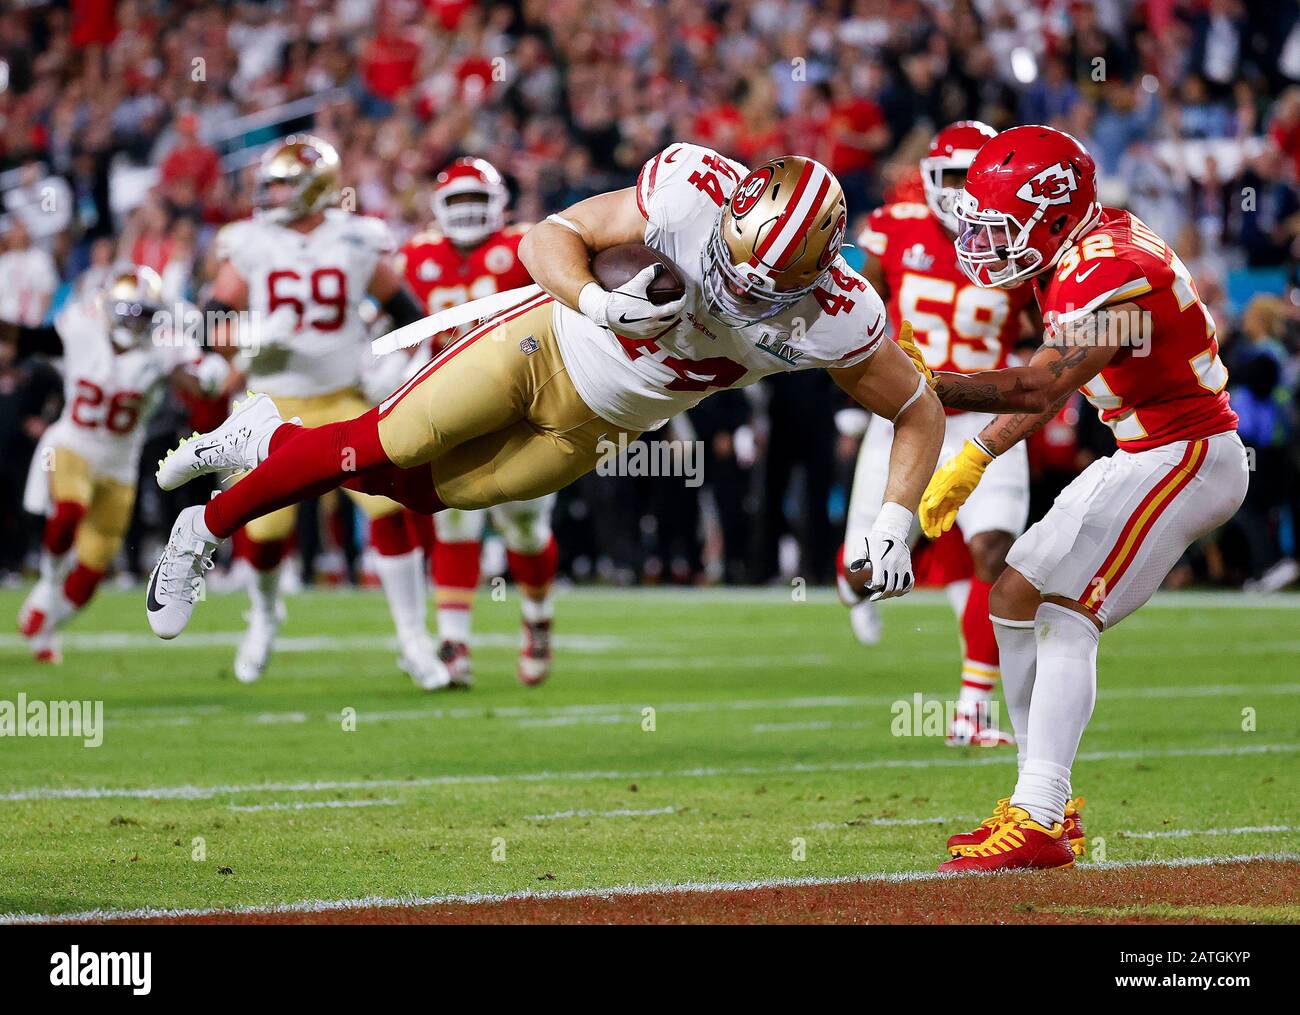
(1013, 597)
(988, 552)
(1074, 606)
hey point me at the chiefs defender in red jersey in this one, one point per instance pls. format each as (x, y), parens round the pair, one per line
(473, 253)
(1125, 326)
(962, 327)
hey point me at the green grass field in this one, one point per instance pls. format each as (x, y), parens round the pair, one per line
(771, 727)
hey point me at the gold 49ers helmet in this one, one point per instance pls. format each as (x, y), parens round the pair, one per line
(297, 177)
(131, 296)
(773, 240)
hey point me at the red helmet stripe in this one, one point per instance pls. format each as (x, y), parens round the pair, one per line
(777, 230)
(792, 247)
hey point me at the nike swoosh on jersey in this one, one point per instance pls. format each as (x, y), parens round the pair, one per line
(1082, 276)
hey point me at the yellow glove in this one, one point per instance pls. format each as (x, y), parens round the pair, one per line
(908, 344)
(952, 483)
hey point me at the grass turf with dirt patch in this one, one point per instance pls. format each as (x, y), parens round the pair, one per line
(685, 737)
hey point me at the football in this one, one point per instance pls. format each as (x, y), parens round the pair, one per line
(615, 266)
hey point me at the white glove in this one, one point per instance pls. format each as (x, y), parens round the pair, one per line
(211, 372)
(273, 331)
(628, 310)
(888, 554)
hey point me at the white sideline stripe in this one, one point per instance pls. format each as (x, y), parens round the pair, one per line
(656, 888)
(313, 805)
(621, 812)
(885, 822)
(609, 712)
(1188, 833)
(191, 792)
(132, 641)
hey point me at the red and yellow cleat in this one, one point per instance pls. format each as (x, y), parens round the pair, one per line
(1074, 827)
(981, 831)
(1019, 843)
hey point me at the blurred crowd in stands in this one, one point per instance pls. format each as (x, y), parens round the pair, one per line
(129, 129)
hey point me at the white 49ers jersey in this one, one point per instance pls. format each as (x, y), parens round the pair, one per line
(638, 384)
(306, 292)
(108, 396)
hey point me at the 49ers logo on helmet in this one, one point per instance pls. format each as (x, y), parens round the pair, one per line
(748, 193)
(836, 241)
(1053, 185)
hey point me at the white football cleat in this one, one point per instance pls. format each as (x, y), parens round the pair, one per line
(864, 618)
(255, 647)
(176, 583)
(36, 608)
(455, 656)
(420, 661)
(231, 447)
(535, 659)
(971, 727)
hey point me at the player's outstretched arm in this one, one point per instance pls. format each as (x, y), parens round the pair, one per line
(888, 385)
(1055, 372)
(557, 251)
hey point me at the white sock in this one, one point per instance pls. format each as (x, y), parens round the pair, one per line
(1065, 690)
(454, 623)
(402, 577)
(55, 568)
(264, 591)
(536, 610)
(957, 592)
(1018, 651)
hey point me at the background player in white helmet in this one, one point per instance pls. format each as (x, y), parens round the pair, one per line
(474, 253)
(117, 354)
(303, 268)
(958, 327)
(537, 396)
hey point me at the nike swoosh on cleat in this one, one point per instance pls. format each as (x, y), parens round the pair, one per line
(151, 603)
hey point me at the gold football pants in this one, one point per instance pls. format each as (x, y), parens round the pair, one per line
(495, 416)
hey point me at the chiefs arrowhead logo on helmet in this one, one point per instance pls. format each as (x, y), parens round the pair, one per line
(1053, 185)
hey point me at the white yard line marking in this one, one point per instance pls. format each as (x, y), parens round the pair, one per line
(531, 895)
(621, 812)
(609, 712)
(812, 725)
(313, 805)
(1189, 833)
(885, 822)
(193, 792)
(135, 641)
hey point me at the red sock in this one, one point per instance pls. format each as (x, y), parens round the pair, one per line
(391, 536)
(61, 527)
(80, 584)
(455, 566)
(306, 462)
(421, 529)
(535, 571)
(980, 666)
(265, 555)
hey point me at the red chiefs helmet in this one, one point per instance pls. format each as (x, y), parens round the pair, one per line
(469, 201)
(1029, 194)
(952, 150)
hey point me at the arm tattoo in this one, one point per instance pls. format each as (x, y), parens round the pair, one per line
(1010, 430)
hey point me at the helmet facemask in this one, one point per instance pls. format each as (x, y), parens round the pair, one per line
(467, 216)
(941, 194)
(305, 168)
(130, 302)
(738, 299)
